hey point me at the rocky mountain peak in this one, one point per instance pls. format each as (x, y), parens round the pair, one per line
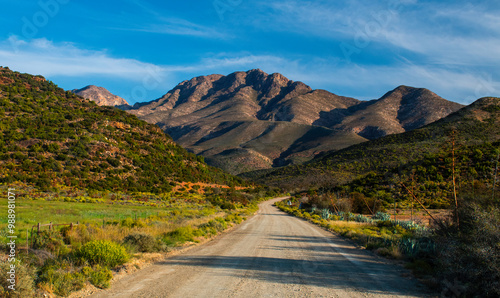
(252, 119)
(100, 96)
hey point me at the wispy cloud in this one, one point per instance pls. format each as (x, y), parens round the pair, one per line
(41, 56)
(151, 19)
(459, 33)
(176, 26)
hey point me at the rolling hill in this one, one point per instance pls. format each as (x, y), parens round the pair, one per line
(254, 120)
(51, 137)
(474, 127)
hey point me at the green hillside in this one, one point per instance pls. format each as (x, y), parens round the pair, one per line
(51, 137)
(475, 130)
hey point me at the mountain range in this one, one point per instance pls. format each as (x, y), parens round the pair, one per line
(64, 138)
(253, 120)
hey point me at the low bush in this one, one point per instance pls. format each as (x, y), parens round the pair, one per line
(23, 280)
(362, 218)
(50, 240)
(180, 235)
(60, 277)
(131, 223)
(469, 255)
(234, 218)
(102, 252)
(141, 242)
(213, 227)
(98, 276)
(326, 214)
(76, 236)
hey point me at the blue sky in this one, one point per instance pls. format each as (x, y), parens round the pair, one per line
(141, 49)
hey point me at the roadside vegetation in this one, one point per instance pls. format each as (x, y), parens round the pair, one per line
(455, 251)
(109, 231)
(441, 186)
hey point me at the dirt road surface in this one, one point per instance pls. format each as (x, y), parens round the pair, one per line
(270, 255)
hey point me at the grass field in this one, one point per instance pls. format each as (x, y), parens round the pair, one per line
(118, 214)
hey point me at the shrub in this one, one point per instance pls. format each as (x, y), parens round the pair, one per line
(50, 240)
(102, 252)
(471, 255)
(182, 234)
(213, 226)
(60, 277)
(76, 236)
(227, 206)
(408, 225)
(127, 222)
(141, 242)
(234, 218)
(24, 280)
(98, 276)
(362, 218)
(131, 223)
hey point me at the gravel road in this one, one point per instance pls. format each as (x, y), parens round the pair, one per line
(270, 255)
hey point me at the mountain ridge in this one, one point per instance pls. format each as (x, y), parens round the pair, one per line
(477, 124)
(278, 121)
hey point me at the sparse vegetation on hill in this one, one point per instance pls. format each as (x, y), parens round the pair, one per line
(426, 150)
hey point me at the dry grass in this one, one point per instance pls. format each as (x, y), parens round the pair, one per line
(150, 226)
(347, 224)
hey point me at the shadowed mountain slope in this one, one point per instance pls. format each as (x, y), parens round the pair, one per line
(475, 125)
(254, 120)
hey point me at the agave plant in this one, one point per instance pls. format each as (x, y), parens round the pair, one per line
(326, 214)
(362, 218)
(381, 216)
(408, 225)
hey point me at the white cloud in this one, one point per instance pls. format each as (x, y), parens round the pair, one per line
(41, 56)
(364, 81)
